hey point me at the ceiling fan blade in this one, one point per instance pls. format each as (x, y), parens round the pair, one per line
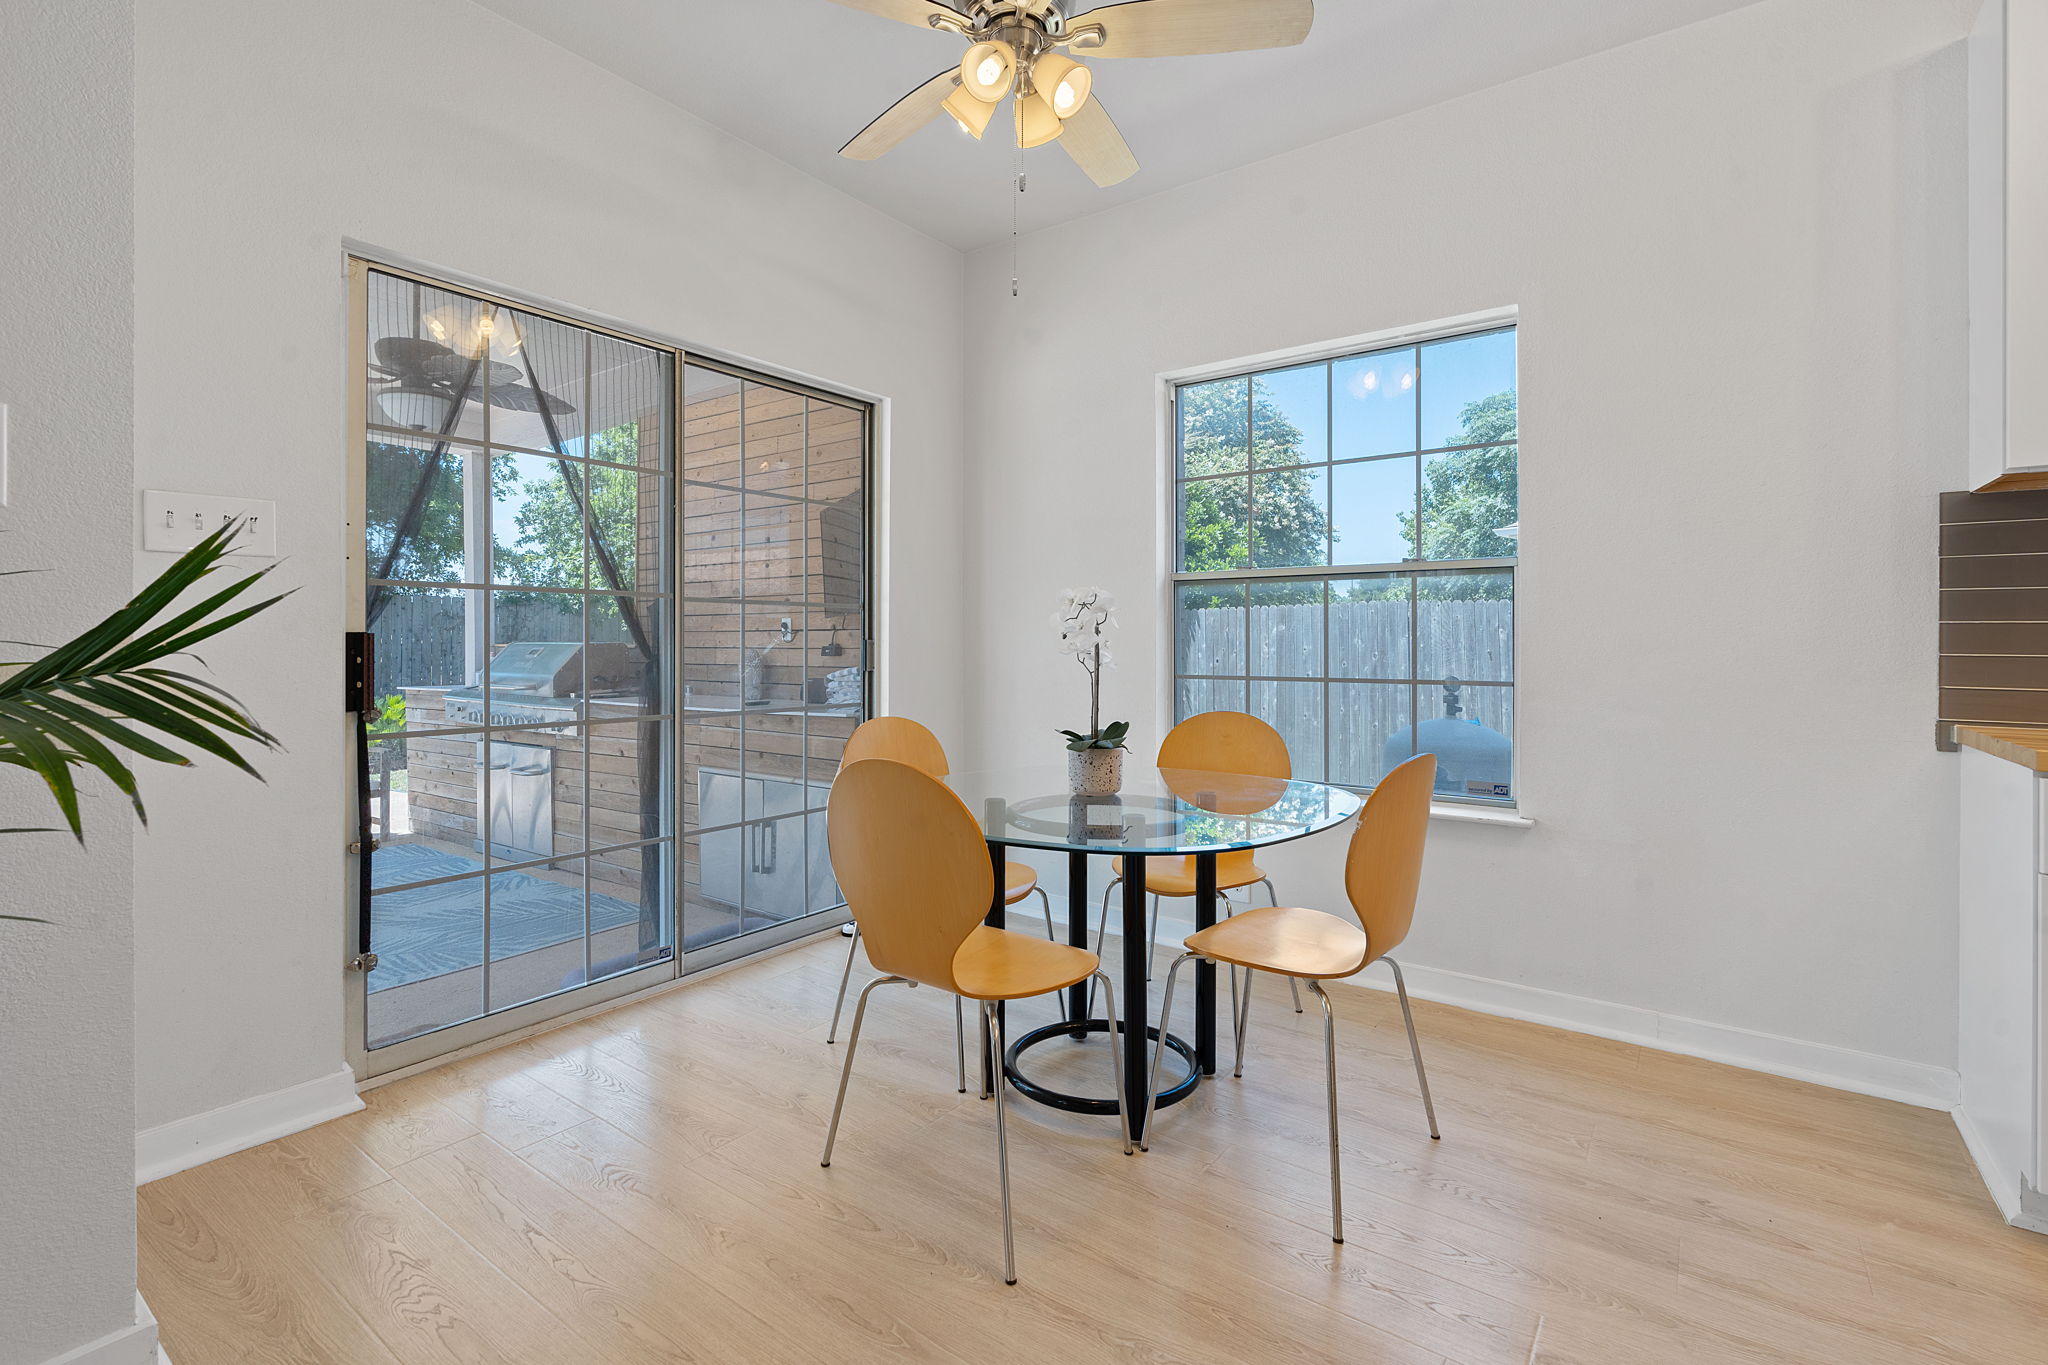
(917, 12)
(1188, 28)
(1097, 147)
(902, 118)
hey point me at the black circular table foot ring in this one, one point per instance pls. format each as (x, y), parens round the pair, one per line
(1089, 1104)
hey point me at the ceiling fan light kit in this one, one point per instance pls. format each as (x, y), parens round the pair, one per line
(1062, 83)
(1036, 122)
(973, 115)
(1015, 47)
(988, 70)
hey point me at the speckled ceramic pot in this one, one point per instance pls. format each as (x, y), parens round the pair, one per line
(1095, 772)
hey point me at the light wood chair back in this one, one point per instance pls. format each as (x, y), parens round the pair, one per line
(912, 864)
(900, 740)
(1383, 869)
(1226, 742)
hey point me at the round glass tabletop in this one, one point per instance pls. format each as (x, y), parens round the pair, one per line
(1159, 810)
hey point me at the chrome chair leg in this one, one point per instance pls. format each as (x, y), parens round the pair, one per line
(1052, 936)
(1102, 932)
(1243, 1019)
(995, 1047)
(1050, 932)
(960, 1040)
(1330, 1057)
(852, 1045)
(1273, 898)
(1159, 1050)
(852, 947)
(1414, 1047)
(1152, 939)
(1116, 1059)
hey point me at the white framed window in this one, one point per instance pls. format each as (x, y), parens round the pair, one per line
(1345, 554)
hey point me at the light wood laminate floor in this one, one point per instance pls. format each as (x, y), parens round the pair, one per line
(645, 1186)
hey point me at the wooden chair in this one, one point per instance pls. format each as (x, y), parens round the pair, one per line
(905, 741)
(1381, 874)
(915, 870)
(1216, 742)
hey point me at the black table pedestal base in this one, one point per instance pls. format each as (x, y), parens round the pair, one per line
(1089, 1104)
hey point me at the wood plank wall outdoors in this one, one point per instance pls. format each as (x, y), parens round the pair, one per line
(1994, 608)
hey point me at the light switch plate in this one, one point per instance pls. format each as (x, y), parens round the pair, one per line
(175, 522)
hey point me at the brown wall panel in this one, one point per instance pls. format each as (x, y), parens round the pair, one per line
(1994, 637)
(1991, 706)
(2025, 506)
(1997, 571)
(1994, 604)
(1976, 670)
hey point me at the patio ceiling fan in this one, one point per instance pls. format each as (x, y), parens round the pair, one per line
(1021, 47)
(422, 381)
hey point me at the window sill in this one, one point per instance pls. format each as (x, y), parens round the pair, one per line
(1478, 815)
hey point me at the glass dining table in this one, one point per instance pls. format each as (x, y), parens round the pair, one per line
(1159, 813)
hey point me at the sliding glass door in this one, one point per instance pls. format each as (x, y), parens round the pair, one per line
(774, 610)
(608, 695)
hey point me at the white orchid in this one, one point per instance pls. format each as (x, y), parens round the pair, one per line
(1084, 619)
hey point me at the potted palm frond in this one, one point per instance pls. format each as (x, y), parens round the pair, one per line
(85, 703)
(1095, 760)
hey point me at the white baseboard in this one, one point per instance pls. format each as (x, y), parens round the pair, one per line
(185, 1143)
(1865, 1073)
(2016, 1203)
(133, 1345)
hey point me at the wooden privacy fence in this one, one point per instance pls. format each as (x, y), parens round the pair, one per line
(419, 635)
(1467, 639)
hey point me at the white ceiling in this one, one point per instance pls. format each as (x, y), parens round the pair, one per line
(736, 64)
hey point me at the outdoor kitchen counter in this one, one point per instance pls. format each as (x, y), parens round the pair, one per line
(2024, 745)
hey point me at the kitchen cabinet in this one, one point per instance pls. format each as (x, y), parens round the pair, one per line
(2008, 247)
(2002, 964)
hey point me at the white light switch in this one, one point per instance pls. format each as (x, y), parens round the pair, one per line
(175, 522)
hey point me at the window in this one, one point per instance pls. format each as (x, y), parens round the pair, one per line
(1345, 559)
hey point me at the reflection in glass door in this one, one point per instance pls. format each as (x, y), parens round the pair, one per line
(517, 527)
(774, 622)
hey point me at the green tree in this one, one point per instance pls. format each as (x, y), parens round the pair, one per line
(1293, 523)
(1467, 496)
(549, 550)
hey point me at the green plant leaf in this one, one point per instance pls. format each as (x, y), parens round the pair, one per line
(101, 690)
(49, 763)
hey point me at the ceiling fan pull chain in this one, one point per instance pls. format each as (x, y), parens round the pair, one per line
(1014, 201)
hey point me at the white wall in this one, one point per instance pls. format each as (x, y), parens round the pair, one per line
(1738, 252)
(67, 1212)
(268, 135)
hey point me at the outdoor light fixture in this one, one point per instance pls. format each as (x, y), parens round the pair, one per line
(988, 69)
(416, 407)
(1062, 83)
(971, 114)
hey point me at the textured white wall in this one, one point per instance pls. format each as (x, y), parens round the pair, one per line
(268, 135)
(67, 1210)
(1738, 252)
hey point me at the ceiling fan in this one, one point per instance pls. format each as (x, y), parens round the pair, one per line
(1021, 47)
(422, 380)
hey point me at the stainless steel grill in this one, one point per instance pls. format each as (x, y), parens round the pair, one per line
(540, 682)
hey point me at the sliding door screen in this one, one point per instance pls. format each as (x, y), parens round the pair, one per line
(619, 603)
(516, 537)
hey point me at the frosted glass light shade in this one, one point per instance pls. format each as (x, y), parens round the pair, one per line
(1036, 122)
(1063, 83)
(987, 70)
(971, 114)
